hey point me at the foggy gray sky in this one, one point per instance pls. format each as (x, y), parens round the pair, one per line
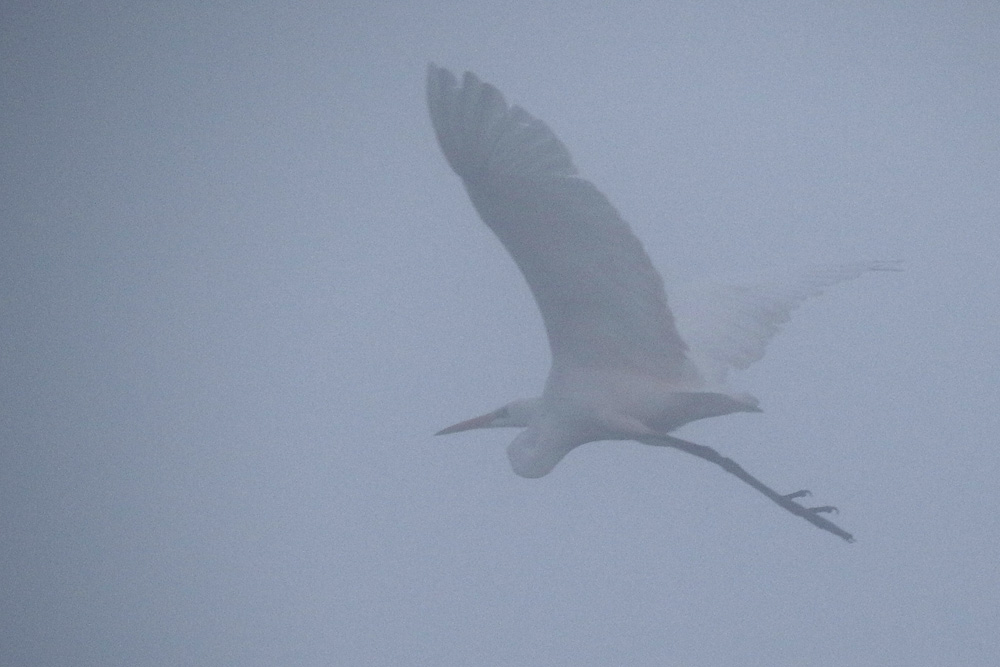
(241, 288)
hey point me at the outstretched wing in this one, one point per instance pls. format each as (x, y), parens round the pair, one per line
(728, 326)
(602, 301)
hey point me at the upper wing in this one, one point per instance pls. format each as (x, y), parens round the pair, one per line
(728, 326)
(602, 301)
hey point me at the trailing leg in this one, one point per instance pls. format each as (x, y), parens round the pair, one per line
(787, 501)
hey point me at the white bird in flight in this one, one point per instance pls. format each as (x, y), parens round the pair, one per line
(624, 367)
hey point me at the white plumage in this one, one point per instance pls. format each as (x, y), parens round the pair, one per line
(624, 366)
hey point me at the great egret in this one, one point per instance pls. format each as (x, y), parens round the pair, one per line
(621, 368)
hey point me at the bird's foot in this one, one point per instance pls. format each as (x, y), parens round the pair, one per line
(825, 509)
(798, 494)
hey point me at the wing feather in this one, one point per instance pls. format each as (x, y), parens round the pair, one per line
(602, 301)
(729, 326)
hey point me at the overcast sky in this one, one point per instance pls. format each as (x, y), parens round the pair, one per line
(241, 288)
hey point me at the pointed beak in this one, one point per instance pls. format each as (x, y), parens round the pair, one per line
(476, 422)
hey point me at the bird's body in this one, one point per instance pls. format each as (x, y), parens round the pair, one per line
(624, 365)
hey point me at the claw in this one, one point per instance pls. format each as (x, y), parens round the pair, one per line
(798, 494)
(825, 509)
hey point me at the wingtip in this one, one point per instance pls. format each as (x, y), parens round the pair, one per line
(436, 75)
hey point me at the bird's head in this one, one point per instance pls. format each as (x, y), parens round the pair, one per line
(518, 413)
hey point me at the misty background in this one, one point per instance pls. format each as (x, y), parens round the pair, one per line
(241, 289)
